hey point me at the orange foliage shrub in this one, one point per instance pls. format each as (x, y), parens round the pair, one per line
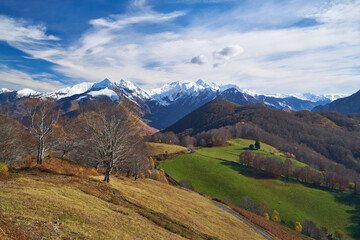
(275, 216)
(157, 176)
(148, 174)
(298, 227)
(60, 166)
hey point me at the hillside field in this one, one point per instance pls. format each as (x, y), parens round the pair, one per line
(162, 148)
(42, 203)
(294, 201)
(237, 146)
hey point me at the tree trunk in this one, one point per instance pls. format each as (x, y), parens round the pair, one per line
(41, 150)
(107, 175)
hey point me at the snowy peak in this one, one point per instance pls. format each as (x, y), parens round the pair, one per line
(310, 96)
(172, 91)
(5, 90)
(102, 85)
(70, 91)
(175, 91)
(26, 92)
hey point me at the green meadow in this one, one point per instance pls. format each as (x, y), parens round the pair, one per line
(294, 201)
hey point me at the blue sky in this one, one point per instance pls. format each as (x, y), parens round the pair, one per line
(266, 46)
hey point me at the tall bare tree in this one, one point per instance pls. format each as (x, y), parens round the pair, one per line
(41, 119)
(111, 136)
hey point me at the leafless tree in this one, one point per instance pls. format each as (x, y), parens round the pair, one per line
(111, 137)
(288, 168)
(64, 135)
(15, 143)
(41, 119)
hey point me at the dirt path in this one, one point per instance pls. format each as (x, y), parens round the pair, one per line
(240, 218)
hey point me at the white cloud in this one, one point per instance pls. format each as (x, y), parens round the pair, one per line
(320, 58)
(17, 30)
(14, 79)
(198, 60)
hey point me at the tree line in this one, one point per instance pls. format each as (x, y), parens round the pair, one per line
(322, 171)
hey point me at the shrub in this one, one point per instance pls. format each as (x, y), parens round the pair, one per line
(157, 176)
(275, 216)
(4, 170)
(298, 227)
(339, 234)
(148, 174)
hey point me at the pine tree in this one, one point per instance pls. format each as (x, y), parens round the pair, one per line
(257, 144)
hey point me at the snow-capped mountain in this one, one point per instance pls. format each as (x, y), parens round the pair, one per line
(165, 105)
(309, 96)
(4, 90)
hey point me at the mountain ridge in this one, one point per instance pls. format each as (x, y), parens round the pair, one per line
(163, 106)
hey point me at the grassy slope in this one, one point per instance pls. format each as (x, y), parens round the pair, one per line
(294, 201)
(163, 148)
(232, 152)
(67, 207)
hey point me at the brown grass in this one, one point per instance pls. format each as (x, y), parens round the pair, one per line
(38, 203)
(59, 166)
(281, 232)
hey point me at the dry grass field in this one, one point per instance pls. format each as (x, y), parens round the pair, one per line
(38, 203)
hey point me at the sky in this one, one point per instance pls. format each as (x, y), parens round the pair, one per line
(273, 46)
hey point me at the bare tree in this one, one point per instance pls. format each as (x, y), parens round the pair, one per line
(15, 143)
(111, 137)
(63, 136)
(41, 119)
(288, 168)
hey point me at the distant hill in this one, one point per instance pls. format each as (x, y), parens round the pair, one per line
(214, 114)
(332, 137)
(344, 105)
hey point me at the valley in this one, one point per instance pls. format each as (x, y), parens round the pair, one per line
(215, 171)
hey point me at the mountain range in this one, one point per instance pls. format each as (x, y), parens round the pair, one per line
(163, 106)
(346, 105)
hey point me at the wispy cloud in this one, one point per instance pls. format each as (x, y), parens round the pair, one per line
(252, 45)
(14, 79)
(18, 30)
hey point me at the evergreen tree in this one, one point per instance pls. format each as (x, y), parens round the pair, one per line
(257, 144)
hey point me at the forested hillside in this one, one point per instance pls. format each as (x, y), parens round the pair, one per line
(325, 141)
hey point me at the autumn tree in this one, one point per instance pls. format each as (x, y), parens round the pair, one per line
(41, 119)
(111, 137)
(298, 227)
(275, 216)
(288, 168)
(246, 158)
(63, 137)
(310, 229)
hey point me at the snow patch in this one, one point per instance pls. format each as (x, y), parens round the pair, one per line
(105, 92)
